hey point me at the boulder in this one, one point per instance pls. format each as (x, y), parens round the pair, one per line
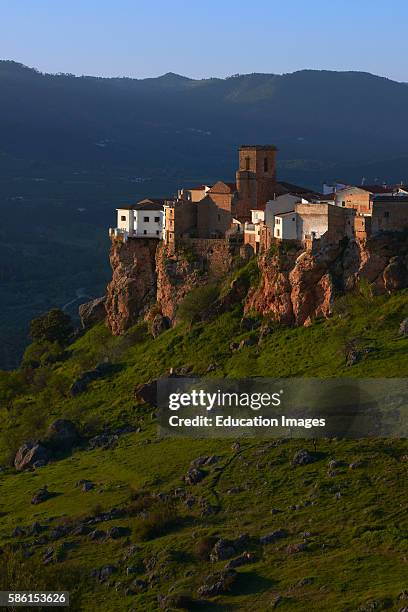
(218, 583)
(30, 455)
(247, 342)
(269, 538)
(223, 549)
(159, 325)
(97, 534)
(246, 557)
(18, 532)
(353, 356)
(395, 275)
(194, 476)
(62, 435)
(92, 312)
(138, 585)
(204, 460)
(104, 573)
(302, 457)
(118, 532)
(83, 381)
(81, 530)
(403, 328)
(86, 485)
(296, 548)
(147, 393)
(41, 495)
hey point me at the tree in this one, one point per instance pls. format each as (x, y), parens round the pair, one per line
(54, 326)
(196, 303)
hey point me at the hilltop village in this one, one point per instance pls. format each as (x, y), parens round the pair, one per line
(258, 209)
(310, 247)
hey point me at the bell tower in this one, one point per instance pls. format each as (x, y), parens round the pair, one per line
(256, 177)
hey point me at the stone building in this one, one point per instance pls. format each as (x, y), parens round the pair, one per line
(389, 214)
(360, 198)
(314, 221)
(255, 179)
(209, 212)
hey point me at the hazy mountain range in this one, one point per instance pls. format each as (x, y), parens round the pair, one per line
(322, 122)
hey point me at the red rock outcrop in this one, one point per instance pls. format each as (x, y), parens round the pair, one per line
(134, 282)
(297, 287)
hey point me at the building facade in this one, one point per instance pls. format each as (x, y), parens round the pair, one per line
(144, 219)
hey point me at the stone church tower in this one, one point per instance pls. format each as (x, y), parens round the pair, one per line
(256, 178)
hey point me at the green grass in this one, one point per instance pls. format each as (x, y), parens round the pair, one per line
(358, 544)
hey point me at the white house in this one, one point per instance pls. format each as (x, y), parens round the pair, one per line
(282, 204)
(144, 219)
(257, 216)
(285, 226)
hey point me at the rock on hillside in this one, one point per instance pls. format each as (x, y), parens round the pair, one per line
(92, 312)
(30, 455)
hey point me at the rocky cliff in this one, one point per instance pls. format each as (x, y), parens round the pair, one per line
(147, 273)
(191, 266)
(134, 281)
(297, 287)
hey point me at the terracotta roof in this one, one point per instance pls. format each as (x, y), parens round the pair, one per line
(231, 186)
(197, 188)
(285, 187)
(146, 204)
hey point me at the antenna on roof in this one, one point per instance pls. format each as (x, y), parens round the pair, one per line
(363, 180)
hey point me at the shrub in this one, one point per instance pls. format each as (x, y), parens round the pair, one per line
(204, 547)
(54, 326)
(140, 502)
(18, 573)
(41, 352)
(197, 301)
(160, 520)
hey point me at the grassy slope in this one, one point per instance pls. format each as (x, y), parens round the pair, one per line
(359, 546)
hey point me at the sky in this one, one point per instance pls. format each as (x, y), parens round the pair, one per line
(205, 38)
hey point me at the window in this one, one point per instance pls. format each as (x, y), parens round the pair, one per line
(219, 217)
(343, 204)
(387, 213)
(146, 219)
(157, 219)
(247, 163)
(277, 233)
(123, 218)
(157, 232)
(265, 164)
